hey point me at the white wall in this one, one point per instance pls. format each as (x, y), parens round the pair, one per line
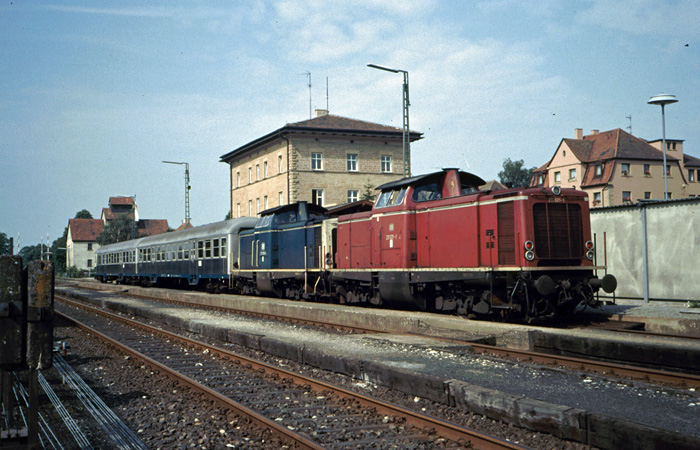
(673, 247)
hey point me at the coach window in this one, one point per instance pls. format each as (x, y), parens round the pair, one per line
(223, 247)
(207, 248)
(179, 252)
(200, 249)
(216, 248)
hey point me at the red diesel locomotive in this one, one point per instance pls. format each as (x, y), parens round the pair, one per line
(435, 242)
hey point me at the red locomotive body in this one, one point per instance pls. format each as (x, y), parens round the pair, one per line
(439, 243)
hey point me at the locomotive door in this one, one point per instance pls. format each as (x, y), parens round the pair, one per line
(375, 232)
(422, 218)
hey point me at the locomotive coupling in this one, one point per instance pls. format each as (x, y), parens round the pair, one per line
(608, 283)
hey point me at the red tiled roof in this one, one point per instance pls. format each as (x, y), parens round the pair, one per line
(85, 230)
(332, 122)
(121, 201)
(108, 214)
(149, 227)
(328, 124)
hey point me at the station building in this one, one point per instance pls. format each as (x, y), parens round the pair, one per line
(617, 168)
(328, 160)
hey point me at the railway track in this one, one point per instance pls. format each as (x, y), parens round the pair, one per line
(580, 364)
(306, 412)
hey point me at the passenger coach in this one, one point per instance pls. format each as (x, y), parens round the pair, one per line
(200, 256)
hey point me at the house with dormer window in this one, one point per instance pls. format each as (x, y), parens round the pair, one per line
(617, 168)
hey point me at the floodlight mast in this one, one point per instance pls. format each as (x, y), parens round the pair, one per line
(187, 189)
(663, 100)
(406, 130)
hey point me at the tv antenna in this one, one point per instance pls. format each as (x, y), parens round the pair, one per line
(630, 125)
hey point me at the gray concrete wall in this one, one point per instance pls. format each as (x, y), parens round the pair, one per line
(673, 246)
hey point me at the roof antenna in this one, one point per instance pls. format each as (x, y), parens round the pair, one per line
(630, 126)
(308, 74)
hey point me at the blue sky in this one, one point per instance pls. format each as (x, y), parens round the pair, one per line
(94, 95)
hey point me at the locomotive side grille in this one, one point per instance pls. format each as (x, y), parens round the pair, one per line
(558, 232)
(506, 233)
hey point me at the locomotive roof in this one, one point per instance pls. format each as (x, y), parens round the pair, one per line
(465, 177)
(310, 207)
(202, 231)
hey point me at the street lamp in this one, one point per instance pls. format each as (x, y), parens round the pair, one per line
(406, 131)
(663, 100)
(187, 189)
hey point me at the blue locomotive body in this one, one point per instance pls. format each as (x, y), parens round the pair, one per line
(282, 247)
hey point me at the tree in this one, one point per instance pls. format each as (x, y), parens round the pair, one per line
(83, 214)
(117, 230)
(4, 244)
(367, 194)
(228, 215)
(514, 175)
(31, 253)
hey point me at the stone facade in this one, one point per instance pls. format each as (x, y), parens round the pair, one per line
(329, 160)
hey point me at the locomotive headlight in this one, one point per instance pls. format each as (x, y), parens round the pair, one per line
(590, 255)
(529, 255)
(529, 246)
(589, 245)
(556, 190)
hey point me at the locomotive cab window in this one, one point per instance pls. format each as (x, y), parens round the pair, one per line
(390, 198)
(286, 217)
(427, 192)
(264, 221)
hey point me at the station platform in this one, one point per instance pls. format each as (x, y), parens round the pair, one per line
(603, 411)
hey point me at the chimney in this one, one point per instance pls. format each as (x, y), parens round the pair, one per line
(595, 131)
(321, 112)
(578, 133)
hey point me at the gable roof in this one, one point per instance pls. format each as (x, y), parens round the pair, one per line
(85, 230)
(121, 201)
(150, 227)
(691, 161)
(327, 124)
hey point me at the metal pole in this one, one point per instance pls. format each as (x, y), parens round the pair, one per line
(406, 139)
(663, 140)
(187, 193)
(645, 255)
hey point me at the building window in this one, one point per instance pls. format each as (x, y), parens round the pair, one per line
(257, 205)
(250, 208)
(598, 170)
(596, 198)
(625, 169)
(265, 202)
(670, 195)
(353, 196)
(238, 210)
(626, 197)
(386, 164)
(90, 246)
(647, 196)
(238, 179)
(316, 161)
(557, 177)
(540, 180)
(572, 174)
(265, 169)
(352, 162)
(257, 172)
(317, 196)
(691, 178)
(279, 163)
(250, 175)
(281, 198)
(647, 169)
(89, 263)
